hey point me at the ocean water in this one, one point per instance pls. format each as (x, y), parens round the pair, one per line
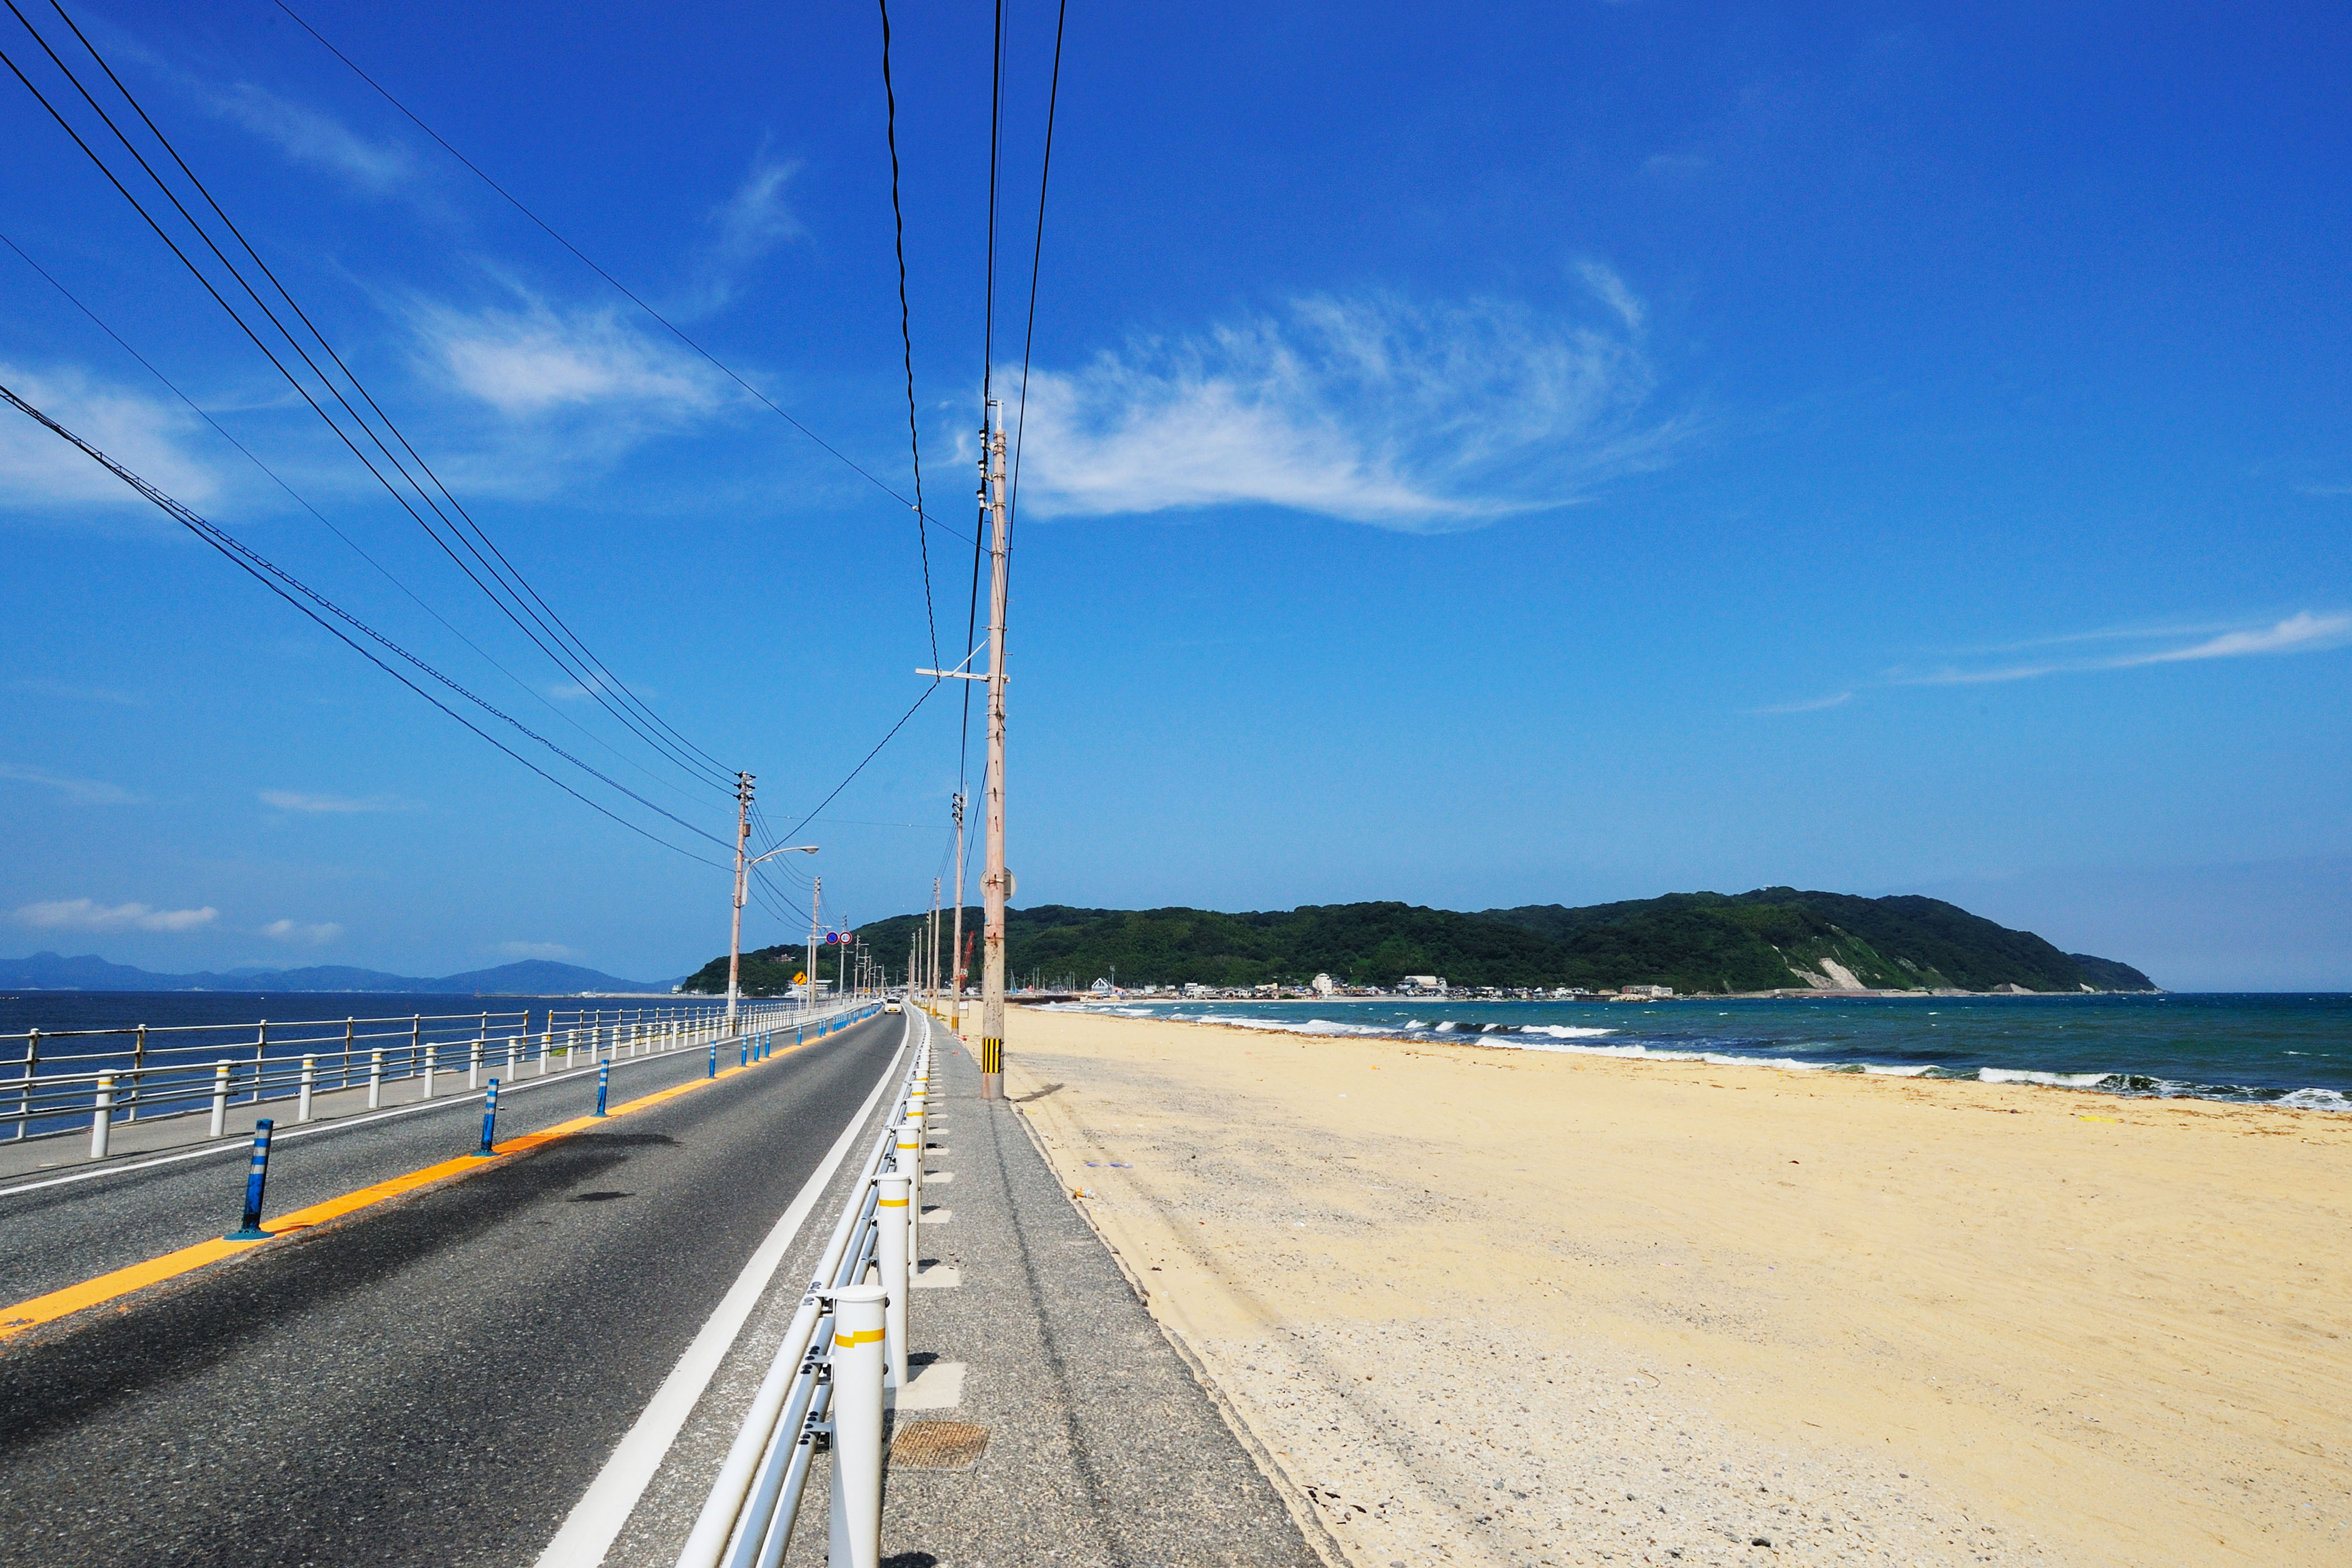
(2281, 1049)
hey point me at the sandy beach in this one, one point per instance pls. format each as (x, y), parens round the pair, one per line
(1497, 1306)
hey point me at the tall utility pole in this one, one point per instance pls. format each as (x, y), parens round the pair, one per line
(995, 882)
(912, 938)
(735, 925)
(934, 971)
(955, 945)
(816, 900)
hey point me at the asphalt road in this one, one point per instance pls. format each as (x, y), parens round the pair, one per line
(432, 1381)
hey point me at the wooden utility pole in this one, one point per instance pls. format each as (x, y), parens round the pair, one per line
(735, 928)
(817, 902)
(934, 971)
(995, 882)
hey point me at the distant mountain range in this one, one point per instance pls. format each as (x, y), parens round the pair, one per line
(531, 977)
(1775, 938)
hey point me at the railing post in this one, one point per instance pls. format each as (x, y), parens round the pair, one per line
(102, 1118)
(891, 1216)
(910, 1166)
(415, 1041)
(375, 1079)
(24, 1095)
(546, 1046)
(260, 1060)
(351, 1039)
(427, 1075)
(858, 1427)
(513, 1045)
(310, 1079)
(220, 1099)
(138, 1065)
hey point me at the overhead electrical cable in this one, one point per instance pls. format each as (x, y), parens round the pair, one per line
(310, 603)
(328, 522)
(987, 372)
(905, 327)
(593, 679)
(584, 260)
(517, 580)
(1036, 258)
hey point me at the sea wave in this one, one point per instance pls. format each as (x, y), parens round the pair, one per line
(1575, 1039)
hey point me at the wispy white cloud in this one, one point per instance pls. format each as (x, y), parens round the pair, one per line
(38, 472)
(331, 805)
(1815, 705)
(2303, 632)
(306, 135)
(534, 949)
(745, 228)
(303, 933)
(66, 693)
(88, 915)
(534, 361)
(91, 791)
(1374, 409)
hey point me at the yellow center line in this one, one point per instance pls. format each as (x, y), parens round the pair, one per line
(121, 1282)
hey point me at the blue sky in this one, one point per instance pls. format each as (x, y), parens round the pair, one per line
(1477, 455)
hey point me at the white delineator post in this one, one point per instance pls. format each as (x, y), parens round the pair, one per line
(310, 1082)
(857, 1359)
(220, 1099)
(375, 1079)
(101, 1121)
(890, 1211)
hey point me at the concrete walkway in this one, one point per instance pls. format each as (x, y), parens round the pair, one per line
(1095, 1443)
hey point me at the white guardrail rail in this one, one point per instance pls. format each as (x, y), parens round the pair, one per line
(824, 1392)
(99, 1078)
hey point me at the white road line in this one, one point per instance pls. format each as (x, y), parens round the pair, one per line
(596, 1519)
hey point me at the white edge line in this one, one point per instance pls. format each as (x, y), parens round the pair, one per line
(335, 1124)
(597, 1519)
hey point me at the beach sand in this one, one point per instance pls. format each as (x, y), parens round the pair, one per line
(1497, 1306)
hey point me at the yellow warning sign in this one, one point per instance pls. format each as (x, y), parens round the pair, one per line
(800, 979)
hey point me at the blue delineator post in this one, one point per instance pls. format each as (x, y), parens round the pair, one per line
(255, 1178)
(714, 1060)
(744, 1054)
(604, 1078)
(489, 1122)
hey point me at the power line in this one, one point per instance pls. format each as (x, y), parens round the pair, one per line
(596, 683)
(286, 587)
(905, 327)
(1036, 258)
(583, 257)
(326, 522)
(519, 581)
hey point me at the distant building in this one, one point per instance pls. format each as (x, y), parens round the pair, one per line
(1422, 983)
(1653, 991)
(1325, 986)
(1101, 988)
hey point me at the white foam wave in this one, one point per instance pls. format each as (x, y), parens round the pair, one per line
(2315, 1100)
(2056, 1079)
(1564, 1031)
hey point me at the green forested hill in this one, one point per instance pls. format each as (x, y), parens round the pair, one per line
(1694, 942)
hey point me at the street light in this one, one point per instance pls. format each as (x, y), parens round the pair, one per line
(735, 938)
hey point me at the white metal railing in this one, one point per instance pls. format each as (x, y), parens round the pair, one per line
(99, 1078)
(824, 1392)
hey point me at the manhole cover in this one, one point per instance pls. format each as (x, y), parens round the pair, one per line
(939, 1444)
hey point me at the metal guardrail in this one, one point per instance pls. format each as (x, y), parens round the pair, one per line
(824, 1392)
(99, 1078)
